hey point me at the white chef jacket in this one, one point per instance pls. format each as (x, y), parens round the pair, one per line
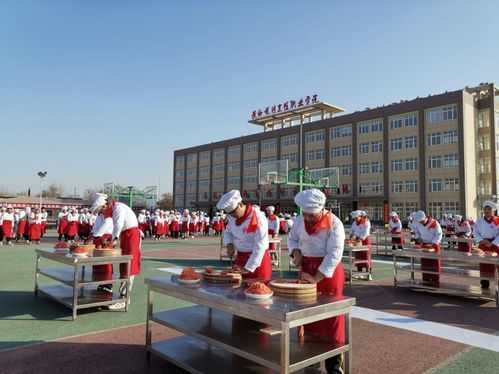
(463, 228)
(141, 218)
(7, 217)
(255, 242)
(487, 230)
(102, 226)
(361, 231)
(431, 233)
(73, 217)
(397, 225)
(123, 219)
(328, 244)
(289, 223)
(274, 225)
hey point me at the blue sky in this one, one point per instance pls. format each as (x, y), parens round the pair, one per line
(100, 91)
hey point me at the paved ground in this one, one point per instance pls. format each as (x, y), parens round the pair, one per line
(37, 335)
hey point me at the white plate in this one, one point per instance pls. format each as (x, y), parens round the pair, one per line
(73, 255)
(258, 297)
(188, 281)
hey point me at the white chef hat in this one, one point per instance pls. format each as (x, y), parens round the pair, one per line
(100, 200)
(271, 208)
(9, 206)
(419, 216)
(143, 210)
(490, 204)
(394, 214)
(356, 213)
(311, 201)
(229, 201)
(458, 217)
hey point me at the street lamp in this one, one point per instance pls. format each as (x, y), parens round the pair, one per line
(41, 174)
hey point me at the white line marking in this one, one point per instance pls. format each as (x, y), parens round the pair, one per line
(435, 329)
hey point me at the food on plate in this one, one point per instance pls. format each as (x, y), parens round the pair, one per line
(259, 288)
(189, 274)
(79, 250)
(61, 245)
(209, 270)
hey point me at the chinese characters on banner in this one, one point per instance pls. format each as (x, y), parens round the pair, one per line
(284, 107)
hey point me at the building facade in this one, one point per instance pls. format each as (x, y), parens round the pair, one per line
(438, 153)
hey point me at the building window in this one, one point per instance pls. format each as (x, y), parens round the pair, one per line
(268, 159)
(191, 158)
(397, 165)
(397, 187)
(434, 138)
(396, 144)
(310, 155)
(233, 167)
(450, 161)
(289, 140)
(410, 142)
(451, 184)
(376, 146)
(376, 167)
(319, 154)
(234, 151)
(364, 147)
(485, 165)
(204, 156)
(204, 172)
(269, 145)
(364, 127)
(249, 179)
(411, 164)
(377, 125)
(341, 151)
(449, 137)
(191, 173)
(483, 119)
(346, 170)
(370, 188)
(179, 174)
(179, 187)
(251, 148)
(411, 186)
(218, 169)
(396, 123)
(442, 114)
(291, 157)
(341, 132)
(364, 168)
(484, 142)
(435, 185)
(314, 136)
(435, 162)
(250, 163)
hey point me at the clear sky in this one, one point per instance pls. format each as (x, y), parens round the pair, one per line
(100, 91)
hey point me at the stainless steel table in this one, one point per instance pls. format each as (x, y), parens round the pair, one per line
(218, 341)
(456, 279)
(78, 285)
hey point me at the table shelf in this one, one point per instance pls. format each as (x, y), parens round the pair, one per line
(244, 338)
(87, 298)
(85, 277)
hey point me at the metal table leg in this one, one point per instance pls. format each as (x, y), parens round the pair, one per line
(350, 256)
(37, 273)
(75, 291)
(148, 324)
(127, 289)
(284, 348)
(348, 336)
(394, 268)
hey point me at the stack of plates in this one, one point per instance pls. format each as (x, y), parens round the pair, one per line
(290, 288)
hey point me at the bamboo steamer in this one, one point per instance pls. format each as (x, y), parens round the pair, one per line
(222, 278)
(289, 288)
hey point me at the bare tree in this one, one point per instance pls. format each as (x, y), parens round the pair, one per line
(53, 191)
(166, 201)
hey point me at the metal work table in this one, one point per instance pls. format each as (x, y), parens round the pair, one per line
(217, 340)
(78, 285)
(456, 280)
(352, 273)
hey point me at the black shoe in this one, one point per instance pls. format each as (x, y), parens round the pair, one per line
(485, 284)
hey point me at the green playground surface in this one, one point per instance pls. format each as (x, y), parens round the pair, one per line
(26, 319)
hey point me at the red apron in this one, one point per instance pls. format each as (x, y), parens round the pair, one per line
(143, 227)
(72, 228)
(192, 227)
(282, 226)
(464, 247)
(331, 328)
(263, 272)
(44, 227)
(174, 226)
(27, 228)
(271, 235)
(365, 255)
(35, 231)
(398, 241)
(487, 270)
(130, 245)
(21, 227)
(102, 272)
(431, 265)
(63, 224)
(7, 229)
(185, 227)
